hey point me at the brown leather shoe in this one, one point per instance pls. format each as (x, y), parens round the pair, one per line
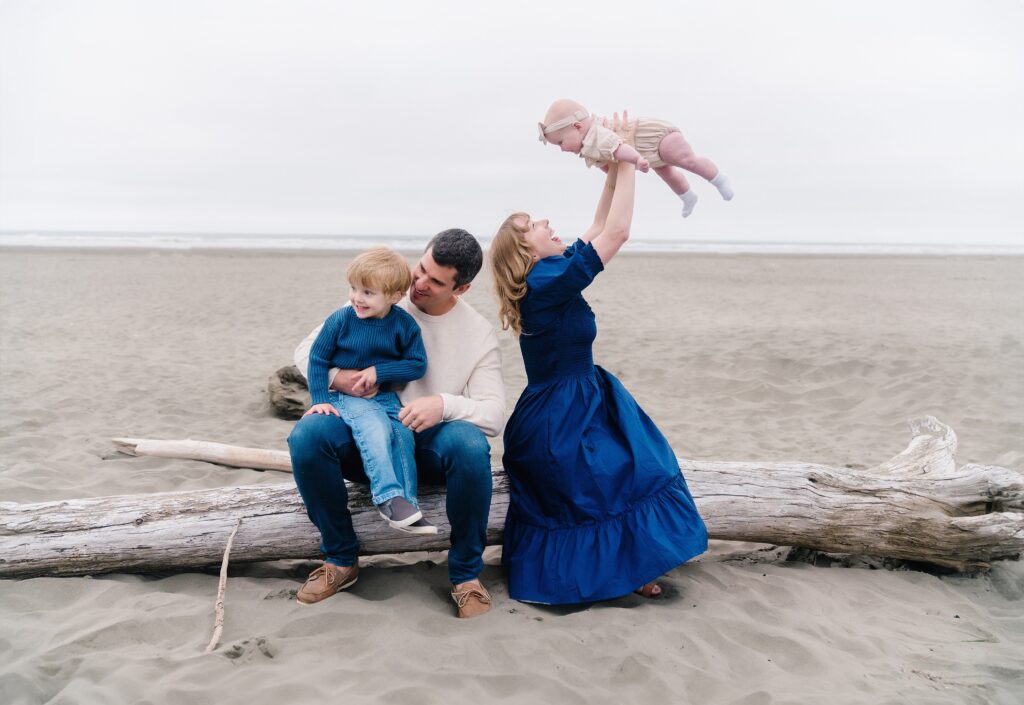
(472, 599)
(326, 581)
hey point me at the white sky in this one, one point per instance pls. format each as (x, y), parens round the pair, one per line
(875, 121)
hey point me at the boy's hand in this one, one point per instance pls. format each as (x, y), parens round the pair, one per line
(642, 165)
(363, 380)
(343, 383)
(325, 409)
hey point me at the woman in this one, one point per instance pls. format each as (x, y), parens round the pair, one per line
(597, 506)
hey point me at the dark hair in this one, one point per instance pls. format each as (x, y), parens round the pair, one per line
(457, 248)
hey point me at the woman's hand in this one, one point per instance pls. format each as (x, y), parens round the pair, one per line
(624, 127)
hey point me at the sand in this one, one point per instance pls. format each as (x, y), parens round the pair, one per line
(736, 357)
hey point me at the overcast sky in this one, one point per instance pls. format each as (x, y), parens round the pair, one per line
(876, 122)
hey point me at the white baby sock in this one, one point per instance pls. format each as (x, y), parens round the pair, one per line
(721, 182)
(689, 201)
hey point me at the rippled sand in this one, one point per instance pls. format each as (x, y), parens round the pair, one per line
(736, 357)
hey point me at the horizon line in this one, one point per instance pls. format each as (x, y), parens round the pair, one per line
(666, 241)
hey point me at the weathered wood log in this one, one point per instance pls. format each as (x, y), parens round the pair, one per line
(917, 506)
(181, 530)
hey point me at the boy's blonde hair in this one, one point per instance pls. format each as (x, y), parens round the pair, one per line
(380, 268)
(511, 260)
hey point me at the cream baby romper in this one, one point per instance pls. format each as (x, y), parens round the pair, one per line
(600, 143)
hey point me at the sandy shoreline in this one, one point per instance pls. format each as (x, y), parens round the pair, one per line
(736, 357)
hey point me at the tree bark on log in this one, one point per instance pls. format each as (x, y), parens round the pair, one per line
(917, 506)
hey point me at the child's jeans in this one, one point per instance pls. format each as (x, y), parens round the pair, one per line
(386, 446)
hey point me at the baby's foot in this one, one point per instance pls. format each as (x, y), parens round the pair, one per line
(721, 182)
(643, 165)
(689, 201)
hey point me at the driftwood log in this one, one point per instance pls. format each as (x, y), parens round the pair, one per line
(917, 506)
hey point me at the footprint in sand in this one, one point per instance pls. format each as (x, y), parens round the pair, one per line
(249, 648)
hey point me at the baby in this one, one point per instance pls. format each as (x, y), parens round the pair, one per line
(383, 342)
(659, 144)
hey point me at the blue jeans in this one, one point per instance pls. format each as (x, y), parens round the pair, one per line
(385, 444)
(454, 454)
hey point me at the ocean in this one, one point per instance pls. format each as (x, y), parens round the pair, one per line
(412, 243)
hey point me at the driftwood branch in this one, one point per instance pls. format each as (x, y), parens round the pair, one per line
(917, 506)
(207, 451)
(222, 586)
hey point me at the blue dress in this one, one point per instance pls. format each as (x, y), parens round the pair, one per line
(598, 506)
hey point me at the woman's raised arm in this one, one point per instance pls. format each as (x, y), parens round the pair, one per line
(603, 204)
(615, 207)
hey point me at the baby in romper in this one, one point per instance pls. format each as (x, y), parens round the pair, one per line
(659, 144)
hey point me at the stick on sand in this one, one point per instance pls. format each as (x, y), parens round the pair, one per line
(218, 608)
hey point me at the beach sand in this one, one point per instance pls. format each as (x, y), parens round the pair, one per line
(820, 359)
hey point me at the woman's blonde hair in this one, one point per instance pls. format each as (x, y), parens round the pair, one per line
(380, 268)
(511, 260)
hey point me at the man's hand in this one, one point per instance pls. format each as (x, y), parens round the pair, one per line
(363, 381)
(420, 414)
(344, 382)
(326, 409)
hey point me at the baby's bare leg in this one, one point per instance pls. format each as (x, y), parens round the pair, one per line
(678, 183)
(674, 178)
(675, 150)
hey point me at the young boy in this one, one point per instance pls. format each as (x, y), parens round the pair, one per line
(659, 144)
(383, 342)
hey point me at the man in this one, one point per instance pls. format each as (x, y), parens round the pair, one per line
(450, 409)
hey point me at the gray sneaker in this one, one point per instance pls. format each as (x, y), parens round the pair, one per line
(399, 512)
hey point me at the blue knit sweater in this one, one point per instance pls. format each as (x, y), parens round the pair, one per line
(391, 344)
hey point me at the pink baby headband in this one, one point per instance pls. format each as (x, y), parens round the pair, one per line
(559, 124)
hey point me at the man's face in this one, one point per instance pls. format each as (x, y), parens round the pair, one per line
(433, 286)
